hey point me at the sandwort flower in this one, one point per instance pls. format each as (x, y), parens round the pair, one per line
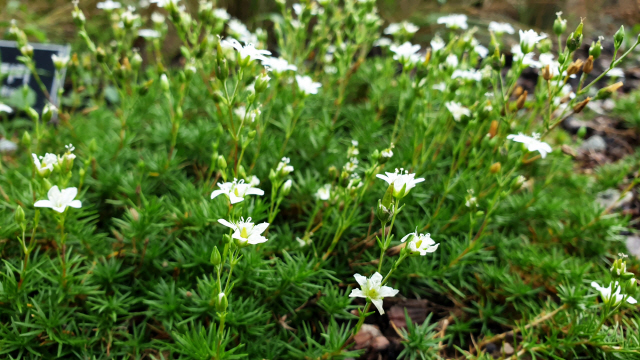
(44, 164)
(607, 295)
(528, 39)
(501, 28)
(236, 191)
(616, 72)
(245, 232)
(60, 200)
(221, 14)
(470, 74)
(108, 5)
(420, 243)
(148, 33)
(481, 50)
(248, 52)
(283, 168)
(60, 62)
(454, 21)
(401, 180)
(405, 53)
(532, 143)
(373, 290)
(451, 61)
(437, 43)
(278, 65)
(324, 193)
(5, 108)
(457, 110)
(307, 85)
(405, 26)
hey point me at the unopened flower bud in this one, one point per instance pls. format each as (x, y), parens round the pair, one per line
(333, 172)
(47, 112)
(78, 17)
(26, 139)
(580, 106)
(222, 163)
(262, 82)
(582, 132)
(101, 55)
(136, 61)
(559, 25)
(495, 168)
(164, 82)
(222, 72)
(27, 50)
(546, 73)
(216, 259)
(383, 213)
(19, 216)
(517, 183)
(222, 303)
(286, 187)
(33, 114)
(618, 38)
(588, 65)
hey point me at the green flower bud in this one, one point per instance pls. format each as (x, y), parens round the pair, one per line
(164, 83)
(286, 188)
(559, 25)
(222, 72)
(517, 182)
(618, 37)
(222, 303)
(26, 139)
(595, 49)
(47, 112)
(33, 114)
(216, 259)
(262, 82)
(222, 163)
(383, 213)
(19, 216)
(582, 132)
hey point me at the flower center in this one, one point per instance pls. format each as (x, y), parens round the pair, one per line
(244, 233)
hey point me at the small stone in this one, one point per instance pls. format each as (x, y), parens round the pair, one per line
(380, 343)
(609, 199)
(595, 143)
(491, 348)
(572, 124)
(507, 349)
(365, 336)
(633, 246)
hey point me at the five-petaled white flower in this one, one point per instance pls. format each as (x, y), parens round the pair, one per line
(307, 85)
(109, 5)
(451, 61)
(59, 200)
(532, 143)
(481, 50)
(437, 43)
(148, 33)
(616, 72)
(470, 74)
(406, 52)
(420, 243)
(457, 110)
(454, 21)
(607, 295)
(283, 168)
(400, 179)
(221, 14)
(278, 65)
(246, 52)
(236, 191)
(528, 39)
(5, 108)
(246, 232)
(44, 164)
(373, 290)
(324, 193)
(59, 61)
(408, 27)
(501, 28)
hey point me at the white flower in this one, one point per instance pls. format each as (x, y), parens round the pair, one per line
(45, 167)
(437, 43)
(451, 61)
(148, 33)
(471, 200)
(382, 42)
(441, 86)
(607, 296)
(481, 50)
(351, 165)
(7, 146)
(457, 110)
(304, 242)
(387, 153)
(470, 74)
(324, 193)
(501, 28)
(246, 232)
(283, 168)
(254, 181)
(240, 30)
(408, 27)
(307, 85)
(454, 21)
(164, 3)
(278, 65)
(400, 179)
(221, 14)
(247, 51)
(532, 143)
(59, 200)
(5, 108)
(157, 18)
(528, 39)
(236, 191)
(109, 5)
(405, 52)
(616, 72)
(373, 290)
(59, 61)
(421, 243)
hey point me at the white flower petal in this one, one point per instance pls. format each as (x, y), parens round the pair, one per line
(357, 293)
(360, 279)
(378, 304)
(228, 224)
